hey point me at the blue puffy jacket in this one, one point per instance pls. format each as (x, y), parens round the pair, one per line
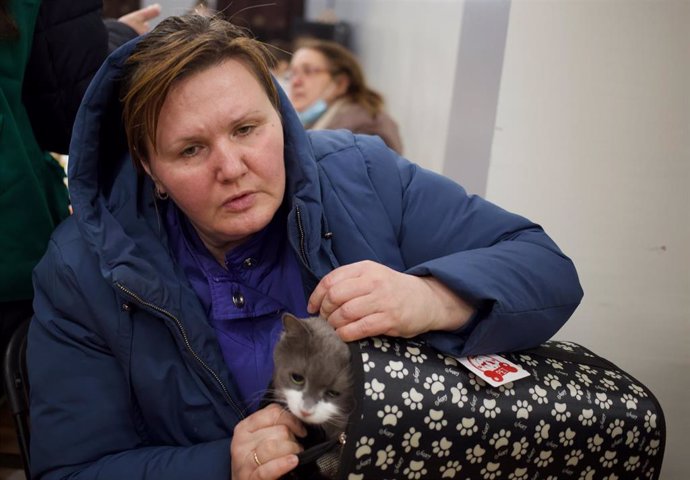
(127, 377)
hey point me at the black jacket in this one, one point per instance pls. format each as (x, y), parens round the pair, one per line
(70, 43)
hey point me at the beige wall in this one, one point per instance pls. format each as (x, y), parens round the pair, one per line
(593, 140)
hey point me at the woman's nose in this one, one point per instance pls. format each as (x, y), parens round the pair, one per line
(229, 161)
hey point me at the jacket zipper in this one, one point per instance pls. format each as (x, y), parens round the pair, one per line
(183, 332)
(300, 228)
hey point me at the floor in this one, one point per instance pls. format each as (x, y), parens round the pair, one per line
(8, 446)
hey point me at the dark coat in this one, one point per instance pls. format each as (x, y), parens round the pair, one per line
(70, 43)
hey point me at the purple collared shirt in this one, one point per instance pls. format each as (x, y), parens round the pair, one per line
(245, 300)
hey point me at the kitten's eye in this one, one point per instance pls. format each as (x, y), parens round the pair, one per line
(332, 394)
(297, 379)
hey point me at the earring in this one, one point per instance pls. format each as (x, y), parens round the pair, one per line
(160, 195)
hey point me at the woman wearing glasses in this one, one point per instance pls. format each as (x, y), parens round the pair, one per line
(328, 90)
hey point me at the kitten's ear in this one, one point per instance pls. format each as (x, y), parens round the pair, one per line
(292, 324)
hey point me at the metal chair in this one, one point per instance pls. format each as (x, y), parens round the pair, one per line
(15, 378)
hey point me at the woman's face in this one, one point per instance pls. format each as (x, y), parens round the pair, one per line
(220, 154)
(310, 79)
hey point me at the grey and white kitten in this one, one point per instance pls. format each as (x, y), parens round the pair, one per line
(313, 375)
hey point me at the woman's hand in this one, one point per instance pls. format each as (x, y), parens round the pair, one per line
(138, 20)
(264, 445)
(366, 298)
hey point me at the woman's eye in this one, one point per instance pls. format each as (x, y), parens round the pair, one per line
(190, 151)
(332, 394)
(297, 379)
(245, 130)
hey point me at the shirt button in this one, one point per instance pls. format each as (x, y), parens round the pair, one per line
(238, 300)
(249, 262)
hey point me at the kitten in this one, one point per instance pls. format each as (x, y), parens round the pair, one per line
(313, 375)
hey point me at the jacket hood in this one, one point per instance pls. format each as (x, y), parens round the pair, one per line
(115, 207)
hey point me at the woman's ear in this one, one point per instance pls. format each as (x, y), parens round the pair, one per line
(157, 184)
(342, 83)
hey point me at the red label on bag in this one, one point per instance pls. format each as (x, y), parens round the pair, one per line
(494, 369)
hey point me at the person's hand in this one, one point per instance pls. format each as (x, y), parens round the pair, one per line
(138, 20)
(366, 298)
(264, 445)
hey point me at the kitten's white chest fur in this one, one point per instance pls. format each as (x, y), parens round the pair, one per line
(317, 413)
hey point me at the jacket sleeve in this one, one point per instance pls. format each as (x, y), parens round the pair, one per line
(523, 286)
(83, 417)
(70, 43)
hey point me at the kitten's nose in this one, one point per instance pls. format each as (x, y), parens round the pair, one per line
(306, 413)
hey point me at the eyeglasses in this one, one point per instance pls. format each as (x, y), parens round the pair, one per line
(305, 71)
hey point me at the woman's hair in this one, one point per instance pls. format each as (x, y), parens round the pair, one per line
(343, 62)
(8, 26)
(175, 49)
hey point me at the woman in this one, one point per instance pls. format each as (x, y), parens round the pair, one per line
(328, 90)
(158, 302)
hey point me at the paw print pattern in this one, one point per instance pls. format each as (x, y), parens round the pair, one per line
(435, 419)
(538, 395)
(552, 381)
(637, 390)
(632, 436)
(448, 360)
(411, 439)
(584, 379)
(567, 437)
(507, 389)
(522, 409)
(491, 471)
(467, 426)
(615, 428)
(649, 421)
(629, 401)
(396, 369)
(608, 459)
(587, 417)
(476, 382)
(415, 470)
(608, 384)
(653, 447)
(518, 474)
(384, 458)
(574, 457)
(415, 354)
(557, 365)
(475, 454)
(575, 390)
(441, 447)
(374, 389)
(519, 448)
(544, 458)
(613, 374)
(363, 446)
(594, 443)
(489, 408)
(413, 399)
(541, 433)
(587, 473)
(450, 469)
(458, 395)
(367, 365)
(528, 360)
(390, 415)
(500, 439)
(382, 344)
(434, 383)
(632, 463)
(603, 401)
(560, 411)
